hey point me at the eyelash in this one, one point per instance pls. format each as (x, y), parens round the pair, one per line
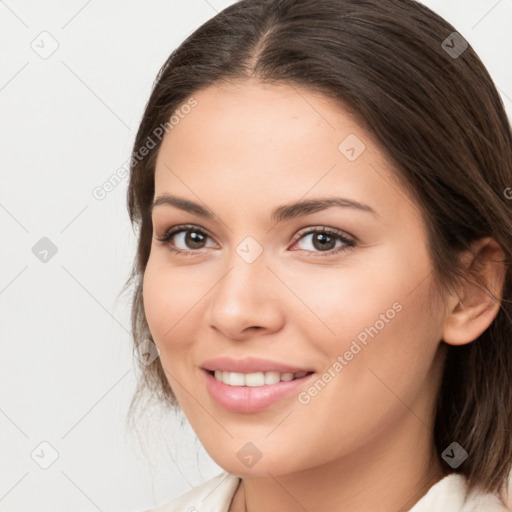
(167, 236)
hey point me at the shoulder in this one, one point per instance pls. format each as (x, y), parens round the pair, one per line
(451, 493)
(214, 495)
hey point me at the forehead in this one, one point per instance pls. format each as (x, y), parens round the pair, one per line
(275, 141)
(255, 113)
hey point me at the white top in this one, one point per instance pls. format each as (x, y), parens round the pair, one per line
(447, 495)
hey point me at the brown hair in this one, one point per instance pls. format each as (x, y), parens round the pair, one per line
(440, 120)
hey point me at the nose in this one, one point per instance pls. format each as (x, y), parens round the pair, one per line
(246, 300)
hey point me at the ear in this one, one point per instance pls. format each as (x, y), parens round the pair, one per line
(478, 301)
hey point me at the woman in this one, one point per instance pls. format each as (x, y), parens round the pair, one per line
(323, 259)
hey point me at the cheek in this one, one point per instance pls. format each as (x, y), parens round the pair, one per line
(391, 349)
(167, 304)
(337, 304)
(169, 308)
(377, 313)
(154, 301)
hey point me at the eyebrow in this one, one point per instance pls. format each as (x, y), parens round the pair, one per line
(279, 214)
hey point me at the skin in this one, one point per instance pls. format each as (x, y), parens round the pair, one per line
(365, 441)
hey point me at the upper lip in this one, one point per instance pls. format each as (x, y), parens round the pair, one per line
(250, 365)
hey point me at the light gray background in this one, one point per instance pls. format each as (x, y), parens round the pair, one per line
(68, 124)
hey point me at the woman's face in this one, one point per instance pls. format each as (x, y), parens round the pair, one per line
(263, 280)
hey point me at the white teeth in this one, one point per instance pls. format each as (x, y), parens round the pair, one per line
(255, 379)
(236, 379)
(271, 377)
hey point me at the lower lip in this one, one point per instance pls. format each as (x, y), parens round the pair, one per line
(248, 399)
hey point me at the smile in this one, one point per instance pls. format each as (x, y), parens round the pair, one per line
(253, 392)
(256, 378)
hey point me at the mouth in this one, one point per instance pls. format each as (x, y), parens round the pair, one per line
(253, 392)
(256, 379)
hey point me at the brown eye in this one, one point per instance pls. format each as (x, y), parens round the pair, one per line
(184, 239)
(325, 241)
(194, 239)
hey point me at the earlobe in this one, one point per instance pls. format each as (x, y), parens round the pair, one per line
(477, 304)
